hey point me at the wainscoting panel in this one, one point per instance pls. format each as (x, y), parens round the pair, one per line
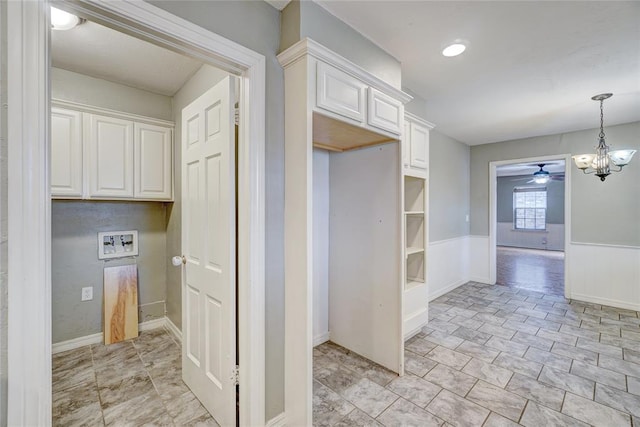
(605, 274)
(479, 259)
(447, 265)
(551, 239)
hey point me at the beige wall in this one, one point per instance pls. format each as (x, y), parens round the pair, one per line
(601, 212)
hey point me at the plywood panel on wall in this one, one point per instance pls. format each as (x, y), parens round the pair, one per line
(120, 303)
(334, 135)
(364, 253)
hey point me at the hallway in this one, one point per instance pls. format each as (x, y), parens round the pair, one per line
(493, 356)
(531, 269)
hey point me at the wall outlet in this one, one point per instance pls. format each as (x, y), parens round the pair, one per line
(87, 294)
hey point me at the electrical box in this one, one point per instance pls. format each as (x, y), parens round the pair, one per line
(117, 244)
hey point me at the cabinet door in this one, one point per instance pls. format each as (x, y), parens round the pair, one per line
(66, 153)
(340, 93)
(109, 143)
(406, 145)
(419, 157)
(152, 153)
(384, 112)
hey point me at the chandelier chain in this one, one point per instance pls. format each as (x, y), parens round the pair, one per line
(601, 119)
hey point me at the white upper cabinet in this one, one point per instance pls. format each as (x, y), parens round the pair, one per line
(340, 93)
(104, 154)
(153, 165)
(109, 145)
(415, 145)
(66, 153)
(385, 112)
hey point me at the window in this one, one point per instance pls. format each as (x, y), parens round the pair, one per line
(529, 208)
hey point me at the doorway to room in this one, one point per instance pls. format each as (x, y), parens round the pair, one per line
(529, 225)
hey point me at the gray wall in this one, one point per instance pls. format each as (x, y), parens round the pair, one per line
(448, 187)
(75, 264)
(3, 213)
(205, 78)
(302, 19)
(256, 25)
(504, 200)
(75, 87)
(75, 224)
(601, 212)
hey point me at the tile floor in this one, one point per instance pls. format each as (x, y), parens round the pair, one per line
(532, 269)
(132, 383)
(493, 356)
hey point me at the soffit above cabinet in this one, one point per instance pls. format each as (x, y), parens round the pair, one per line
(335, 135)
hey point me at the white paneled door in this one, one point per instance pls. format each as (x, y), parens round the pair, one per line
(209, 249)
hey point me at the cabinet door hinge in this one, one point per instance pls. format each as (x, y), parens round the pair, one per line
(235, 375)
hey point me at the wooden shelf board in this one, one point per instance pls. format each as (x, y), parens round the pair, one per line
(414, 212)
(334, 135)
(413, 250)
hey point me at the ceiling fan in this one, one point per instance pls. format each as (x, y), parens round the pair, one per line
(542, 176)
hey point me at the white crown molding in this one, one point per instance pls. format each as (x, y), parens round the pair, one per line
(413, 118)
(85, 108)
(310, 47)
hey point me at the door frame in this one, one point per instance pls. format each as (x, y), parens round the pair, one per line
(29, 210)
(493, 211)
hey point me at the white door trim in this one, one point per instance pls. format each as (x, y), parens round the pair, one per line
(29, 216)
(567, 211)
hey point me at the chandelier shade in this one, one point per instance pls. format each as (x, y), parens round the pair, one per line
(600, 162)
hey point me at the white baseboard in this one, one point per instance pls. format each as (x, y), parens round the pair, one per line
(74, 343)
(414, 323)
(605, 301)
(479, 279)
(447, 288)
(175, 331)
(277, 421)
(152, 324)
(322, 338)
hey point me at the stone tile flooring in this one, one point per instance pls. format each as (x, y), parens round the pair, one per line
(532, 269)
(132, 383)
(493, 356)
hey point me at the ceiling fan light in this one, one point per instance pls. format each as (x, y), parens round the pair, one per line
(542, 179)
(61, 20)
(583, 161)
(621, 157)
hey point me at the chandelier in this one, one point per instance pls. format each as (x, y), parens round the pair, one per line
(599, 163)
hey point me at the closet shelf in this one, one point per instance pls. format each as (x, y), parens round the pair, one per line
(413, 250)
(414, 212)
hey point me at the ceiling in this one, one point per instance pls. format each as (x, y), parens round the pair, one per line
(555, 167)
(104, 53)
(530, 68)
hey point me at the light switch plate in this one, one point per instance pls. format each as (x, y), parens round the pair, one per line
(117, 244)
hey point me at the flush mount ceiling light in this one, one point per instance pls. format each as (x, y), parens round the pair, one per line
(454, 49)
(61, 20)
(599, 163)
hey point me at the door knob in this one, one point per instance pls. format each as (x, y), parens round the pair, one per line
(178, 259)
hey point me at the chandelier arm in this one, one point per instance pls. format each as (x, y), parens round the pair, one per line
(591, 171)
(619, 169)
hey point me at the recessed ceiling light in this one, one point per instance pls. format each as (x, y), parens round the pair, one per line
(61, 20)
(454, 49)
